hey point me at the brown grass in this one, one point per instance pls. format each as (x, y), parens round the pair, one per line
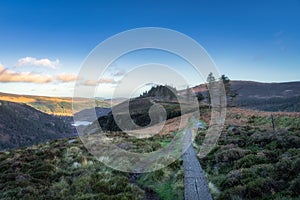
(31, 99)
(167, 127)
(248, 113)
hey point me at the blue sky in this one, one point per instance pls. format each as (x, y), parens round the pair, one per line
(43, 43)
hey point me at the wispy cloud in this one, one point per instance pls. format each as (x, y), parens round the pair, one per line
(258, 57)
(90, 83)
(107, 80)
(45, 62)
(281, 44)
(278, 33)
(279, 40)
(119, 73)
(66, 77)
(7, 75)
(101, 81)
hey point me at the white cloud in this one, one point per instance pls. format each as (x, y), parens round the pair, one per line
(66, 77)
(103, 81)
(7, 76)
(30, 61)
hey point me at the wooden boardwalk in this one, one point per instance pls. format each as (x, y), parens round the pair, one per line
(195, 185)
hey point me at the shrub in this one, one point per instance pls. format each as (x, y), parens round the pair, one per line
(234, 193)
(231, 154)
(259, 188)
(294, 187)
(250, 160)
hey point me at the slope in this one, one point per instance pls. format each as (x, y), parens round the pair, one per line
(263, 96)
(22, 125)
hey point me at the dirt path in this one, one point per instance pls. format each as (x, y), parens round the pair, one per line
(195, 185)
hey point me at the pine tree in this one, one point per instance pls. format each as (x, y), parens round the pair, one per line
(226, 82)
(210, 78)
(210, 82)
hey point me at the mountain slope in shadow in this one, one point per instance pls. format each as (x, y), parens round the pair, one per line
(263, 96)
(22, 125)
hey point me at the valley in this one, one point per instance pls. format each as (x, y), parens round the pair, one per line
(256, 157)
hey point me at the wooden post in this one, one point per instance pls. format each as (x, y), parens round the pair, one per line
(273, 124)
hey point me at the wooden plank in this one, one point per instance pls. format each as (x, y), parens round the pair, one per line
(195, 185)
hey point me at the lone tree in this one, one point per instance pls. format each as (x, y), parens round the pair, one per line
(210, 83)
(210, 78)
(226, 82)
(230, 94)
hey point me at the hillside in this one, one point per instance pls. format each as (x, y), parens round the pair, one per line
(51, 105)
(159, 97)
(264, 96)
(251, 161)
(139, 112)
(22, 125)
(64, 169)
(61, 170)
(250, 89)
(268, 96)
(253, 95)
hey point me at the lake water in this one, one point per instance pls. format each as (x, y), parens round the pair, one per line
(82, 123)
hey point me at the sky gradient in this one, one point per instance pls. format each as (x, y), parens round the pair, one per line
(43, 43)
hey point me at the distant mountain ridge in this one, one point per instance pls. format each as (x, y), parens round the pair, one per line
(283, 96)
(264, 96)
(248, 89)
(251, 89)
(61, 106)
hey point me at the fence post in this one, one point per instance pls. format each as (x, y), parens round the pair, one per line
(273, 124)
